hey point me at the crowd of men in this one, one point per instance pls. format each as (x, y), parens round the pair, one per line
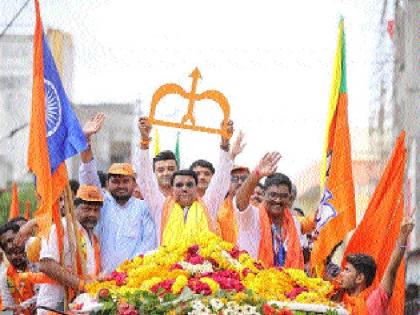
(151, 202)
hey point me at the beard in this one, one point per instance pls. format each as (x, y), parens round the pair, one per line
(89, 223)
(122, 198)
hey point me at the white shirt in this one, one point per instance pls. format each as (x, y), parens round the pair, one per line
(125, 231)
(249, 229)
(51, 294)
(213, 198)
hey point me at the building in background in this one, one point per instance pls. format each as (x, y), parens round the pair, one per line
(114, 143)
(395, 107)
(366, 173)
(16, 61)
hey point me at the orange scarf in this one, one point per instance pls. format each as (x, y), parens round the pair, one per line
(227, 221)
(97, 253)
(294, 254)
(20, 289)
(167, 208)
(356, 305)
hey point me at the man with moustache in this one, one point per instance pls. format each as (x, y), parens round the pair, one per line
(13, 289)
(270, 233)
(175, 217)
(88, 202)
(125, 228)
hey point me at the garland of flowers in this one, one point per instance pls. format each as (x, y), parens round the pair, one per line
(209, 276)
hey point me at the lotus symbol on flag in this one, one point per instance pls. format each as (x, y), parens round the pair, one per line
(325, 211)
(53, 110)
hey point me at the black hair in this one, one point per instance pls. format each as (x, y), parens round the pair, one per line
(74, 186)
(278, 179)
(79, 201)
(203, 163)
(364, 264)
(184, 173)
(300, 211)
(17, 219)
(164, 156)
(102, 178)
(9, 226)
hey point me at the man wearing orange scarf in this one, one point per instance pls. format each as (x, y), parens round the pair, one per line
(226, 215)
(270, 233)
(359, 273)
(14, 290)
(88, 202)
(182, 213)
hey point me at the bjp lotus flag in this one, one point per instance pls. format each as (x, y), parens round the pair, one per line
(377, 233)
(55, 133)
(335, 216)
(14, 211)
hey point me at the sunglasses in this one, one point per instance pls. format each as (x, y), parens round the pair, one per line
(236, 179)
(187, 184)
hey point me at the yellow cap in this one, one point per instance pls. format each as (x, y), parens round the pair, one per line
(121, 169)
(89, 193)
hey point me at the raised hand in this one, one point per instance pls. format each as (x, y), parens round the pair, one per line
(238, 146)
(407, 225)
(145, 127)
(268, 164)
(93, 125)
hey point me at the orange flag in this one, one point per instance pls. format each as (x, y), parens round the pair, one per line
(377, 233)
(27, 210)
(14, 211)
(335, 216)
(38, 153)
(55, 133)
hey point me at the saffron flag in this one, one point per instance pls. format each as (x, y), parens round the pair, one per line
(14, 211)
(177, 151)
(55, 133)
(377, 233)
(335, 216)
(157, 142)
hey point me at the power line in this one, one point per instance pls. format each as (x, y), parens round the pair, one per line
(14, 18)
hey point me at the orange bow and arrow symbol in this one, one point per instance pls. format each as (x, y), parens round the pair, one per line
(192, 97)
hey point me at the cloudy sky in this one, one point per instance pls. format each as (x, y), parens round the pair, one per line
(272, 60)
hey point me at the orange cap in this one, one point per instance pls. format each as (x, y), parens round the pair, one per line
(89, 193)
(121, 169)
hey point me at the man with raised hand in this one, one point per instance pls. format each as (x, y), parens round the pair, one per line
(270, 233)
(125, 228)
(162, 207)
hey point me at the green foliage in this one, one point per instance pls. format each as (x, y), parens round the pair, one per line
(26, 192)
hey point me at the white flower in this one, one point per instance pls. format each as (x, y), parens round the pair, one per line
(197, 305)
(193, 269)
(234, 262)
(216, 304)
(248, 309)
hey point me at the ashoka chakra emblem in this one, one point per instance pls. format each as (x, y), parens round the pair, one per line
(53, 114)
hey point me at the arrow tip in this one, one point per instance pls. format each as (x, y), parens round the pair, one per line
(196, 74)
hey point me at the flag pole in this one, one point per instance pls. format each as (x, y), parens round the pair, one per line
(68, 202)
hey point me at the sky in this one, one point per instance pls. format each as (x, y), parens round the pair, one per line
(271, 59)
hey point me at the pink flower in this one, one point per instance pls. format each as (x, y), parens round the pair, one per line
(295, 292)
(175, 266)
(195, 260)
(193, 250)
